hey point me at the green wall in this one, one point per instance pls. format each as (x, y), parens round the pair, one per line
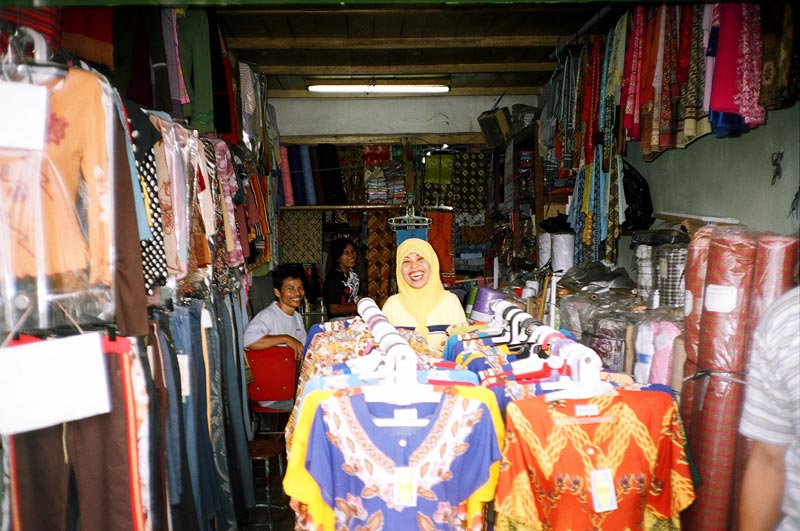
(731, 177)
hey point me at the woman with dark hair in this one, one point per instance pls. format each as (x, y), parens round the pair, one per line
(341, 283)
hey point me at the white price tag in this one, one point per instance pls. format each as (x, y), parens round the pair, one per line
(205, 319)
(720, 299)
(586, 410)
(183, 365)
(23, 107)
(604, 494)
(405, 487)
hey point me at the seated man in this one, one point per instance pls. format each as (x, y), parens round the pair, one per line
(280, 323)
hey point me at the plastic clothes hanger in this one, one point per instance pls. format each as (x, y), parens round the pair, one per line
(41, 69)
(410, 220)
(586, 382)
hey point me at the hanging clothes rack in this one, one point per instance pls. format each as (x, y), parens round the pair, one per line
(410, 220)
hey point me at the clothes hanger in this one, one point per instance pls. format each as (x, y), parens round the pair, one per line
(586, 383)
(410, 220)
(40, 69)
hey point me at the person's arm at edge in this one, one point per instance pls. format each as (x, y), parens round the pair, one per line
(762, 488)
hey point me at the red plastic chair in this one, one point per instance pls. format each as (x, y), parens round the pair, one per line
(275, 373)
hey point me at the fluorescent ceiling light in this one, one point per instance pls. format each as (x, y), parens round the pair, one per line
(380, 89)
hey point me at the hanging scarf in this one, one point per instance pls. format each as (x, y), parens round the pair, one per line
(419, 302)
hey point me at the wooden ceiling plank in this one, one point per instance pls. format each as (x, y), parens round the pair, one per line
(420, 138)
(398, 69)
(249, 43)
(580, 10)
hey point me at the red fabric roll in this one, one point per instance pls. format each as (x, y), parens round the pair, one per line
(286, 177)
(722, 354)
(776, 258)
(696, 267)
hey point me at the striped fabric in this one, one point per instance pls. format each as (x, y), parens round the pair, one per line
(721, 360)
(45, 20)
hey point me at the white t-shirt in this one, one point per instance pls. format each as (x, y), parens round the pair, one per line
(272, 321)
(772, 401)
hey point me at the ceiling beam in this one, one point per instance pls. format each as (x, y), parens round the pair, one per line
(419, 138)
(379, 43)
(465, 91)
(388, 10)
(346, 70)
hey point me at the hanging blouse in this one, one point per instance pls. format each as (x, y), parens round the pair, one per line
(616, 461)
(350, 473)
(76, 152)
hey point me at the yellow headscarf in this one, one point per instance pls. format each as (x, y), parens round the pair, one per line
(419, 301)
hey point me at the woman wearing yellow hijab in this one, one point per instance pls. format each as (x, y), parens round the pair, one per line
(422, 302)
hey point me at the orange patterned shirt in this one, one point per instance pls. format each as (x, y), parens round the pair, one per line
(552, 450)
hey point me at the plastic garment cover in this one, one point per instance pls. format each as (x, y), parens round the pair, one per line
(56, 214)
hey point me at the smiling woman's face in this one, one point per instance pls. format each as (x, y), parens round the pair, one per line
(416, 270)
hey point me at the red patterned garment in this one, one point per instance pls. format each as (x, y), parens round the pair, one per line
(556, 455)
(748, 67)
(670, 90)
(374, 155)
(633, 71)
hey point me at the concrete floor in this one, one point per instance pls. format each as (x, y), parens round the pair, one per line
(282, 518)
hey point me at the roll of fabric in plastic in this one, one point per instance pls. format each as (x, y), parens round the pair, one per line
(286, 177)
(563, 252)
(776, 258)
(696, 267)
(544, 248)
(721, 359)
(644, 271)
(308, 176)
(671, 267)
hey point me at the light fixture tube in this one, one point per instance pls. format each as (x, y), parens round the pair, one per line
(379, 89)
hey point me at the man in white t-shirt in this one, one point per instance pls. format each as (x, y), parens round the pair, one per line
(280, 323)
(770, 495)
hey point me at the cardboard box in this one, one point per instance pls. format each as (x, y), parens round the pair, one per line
(495, 126)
